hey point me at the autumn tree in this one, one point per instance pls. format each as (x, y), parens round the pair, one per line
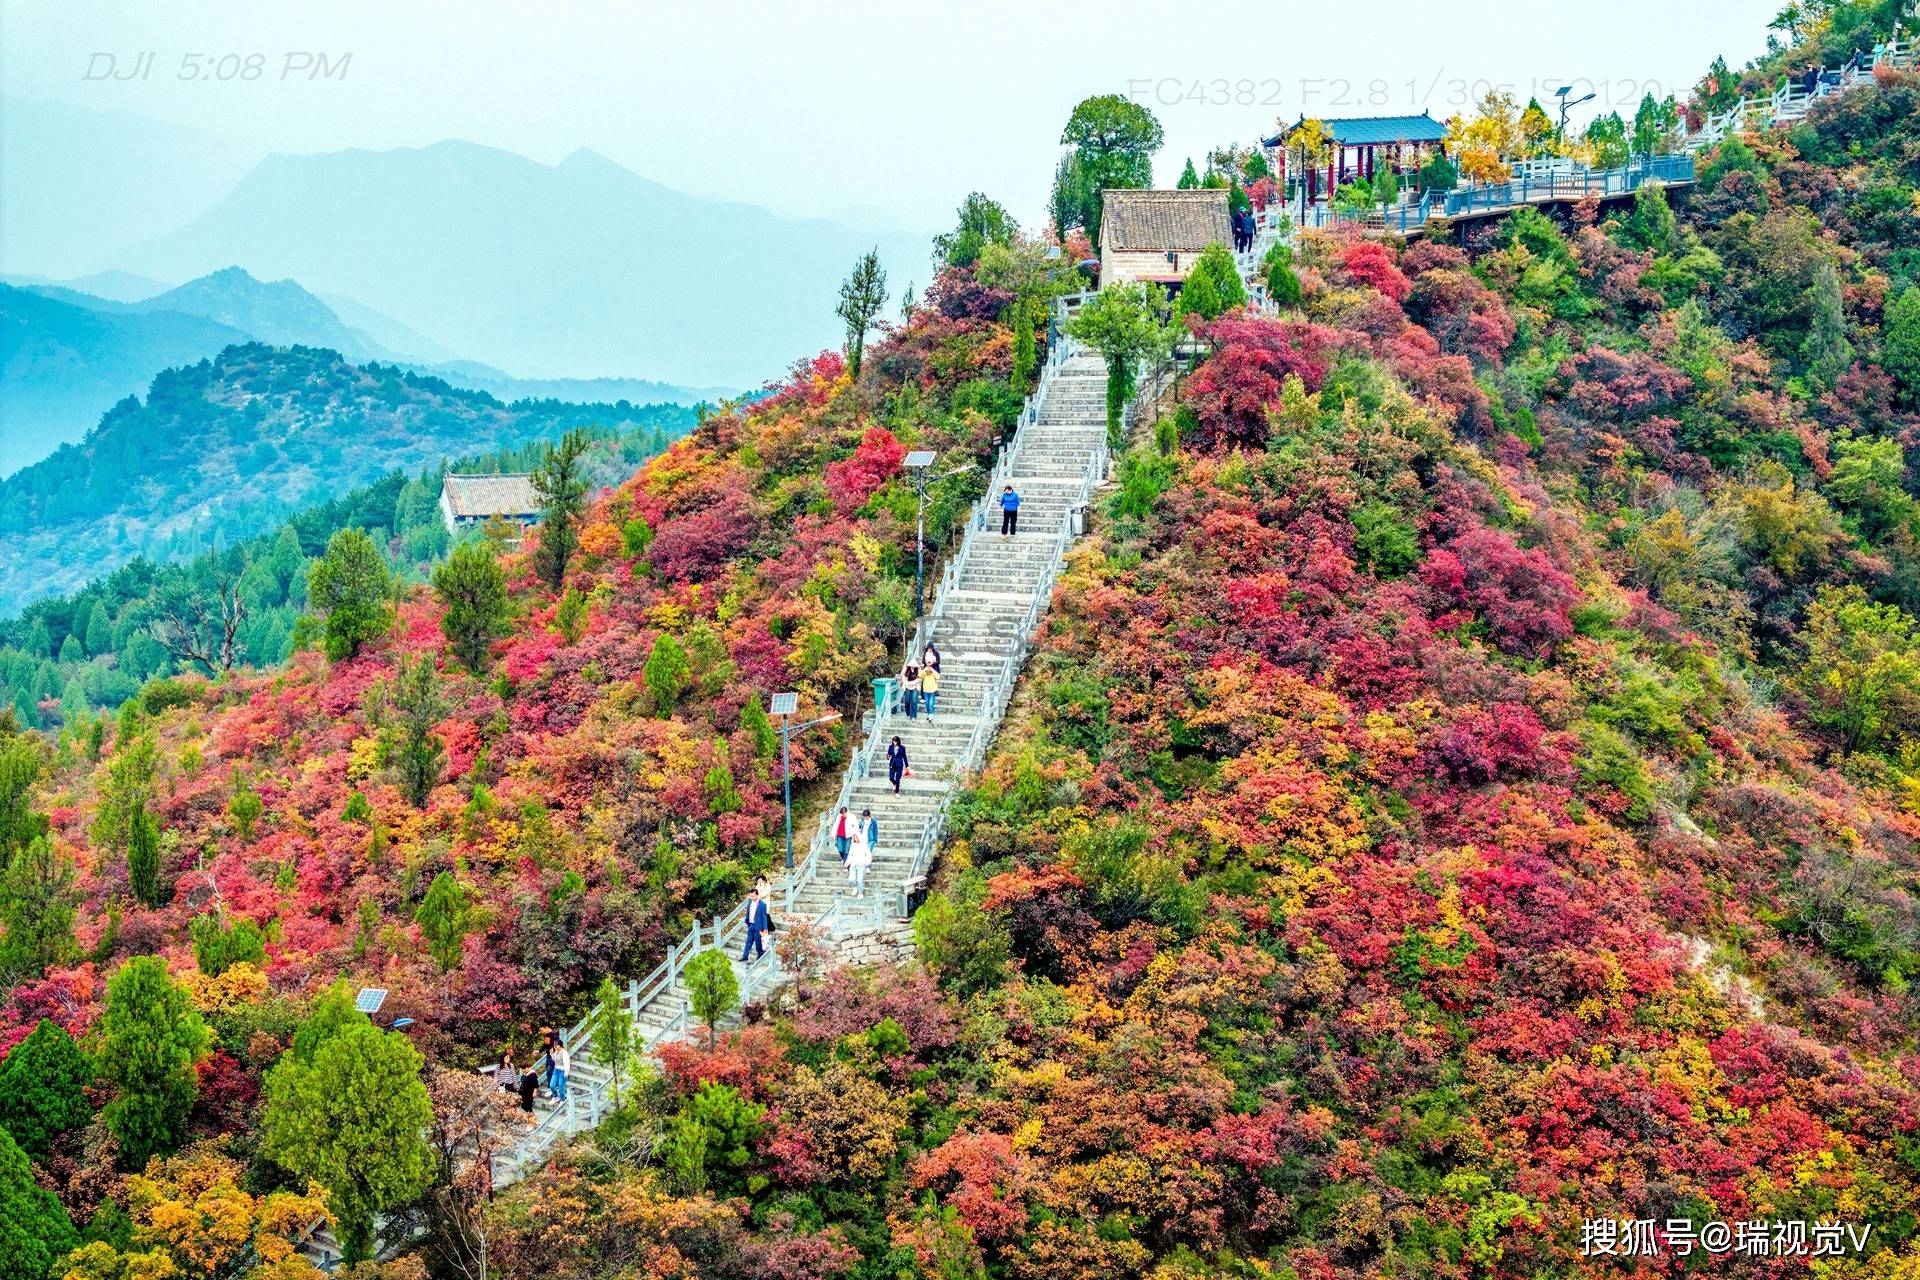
(35, 1232)
(192, 1216)
(712, 989)
(1862, 670)
(473, 595)
(419, 755)
(862, 295)
(354, 1119)
(1483, 143)
(560, 483)
(350, 586)
(150, 1038)
(1113, 140)
(43, 1089)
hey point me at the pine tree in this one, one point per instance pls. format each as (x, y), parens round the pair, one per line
(99, 630)
(420, 756)
(562, 489)
(1900, 336)
(444, 917)
(37, 905)
(245, 806)
(43, 1089)
(150, 1039)
(143, 856)
(350, 585)
(759, 727)
(712, 989)
(612, 1033)
(473, 589)
(1189, 180)
(352, 1118)
(20, 823)
(861, 297)
(1827, 352)
(666, 673)
(35, 1232)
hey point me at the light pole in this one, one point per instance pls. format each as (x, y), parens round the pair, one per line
(1565, 105)
(917, 462)
(784, 705)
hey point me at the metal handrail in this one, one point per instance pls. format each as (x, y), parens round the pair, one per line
(1790, 99)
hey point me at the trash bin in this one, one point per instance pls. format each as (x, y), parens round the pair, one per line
(882, 694)
(1079, 522)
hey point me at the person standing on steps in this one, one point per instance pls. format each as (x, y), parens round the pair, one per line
(910, 691)
(560, 1063)
(931, 658)
(859, 858)
(897, 761)
(1009, 512)
(506, 1075)
(870, 828)
(842, 833)
(930, 689)
(760, 918)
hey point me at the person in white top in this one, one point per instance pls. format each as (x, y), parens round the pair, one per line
(562, 1063)
(859, 858)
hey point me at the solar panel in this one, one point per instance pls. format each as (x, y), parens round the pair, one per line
(370, 999)
(918, 458)
(784, 704)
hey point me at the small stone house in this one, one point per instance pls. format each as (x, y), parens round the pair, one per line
(470, 501)
(1158, 235)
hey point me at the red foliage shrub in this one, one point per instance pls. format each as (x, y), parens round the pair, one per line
(1520, 595)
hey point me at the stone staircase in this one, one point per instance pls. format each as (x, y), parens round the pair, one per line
(982, 617)
(1794, 97)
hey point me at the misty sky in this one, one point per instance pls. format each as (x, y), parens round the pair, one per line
(873, 112)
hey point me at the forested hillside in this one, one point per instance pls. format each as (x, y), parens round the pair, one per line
(1468, 787)
(93, 648)
(223, 449)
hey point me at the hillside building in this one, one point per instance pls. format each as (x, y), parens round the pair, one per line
(1158, 235)
(467, 502)
(1362, 145)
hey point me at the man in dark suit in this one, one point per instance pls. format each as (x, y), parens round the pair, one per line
(758, 918)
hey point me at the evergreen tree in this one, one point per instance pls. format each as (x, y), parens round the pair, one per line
(1113, 139)
(561, 486)
(444, 917)
(1827, 352)
(350, 585)
(1651, 225)
(1213, 287)
(982, 221)
(217, 947)
(712, 989)
(150, 1039)
(43, 1089)
(861, 296)
(570, 619)
(353, 1119)
(1900, 340)
(1072, 197)
(331, 1013)
(143, 856)
(612, 1033)
(473, 591)
(1189, 180)
(37, 905)
(35, 1233)
(99, 630)
(20, 823)
(760, 730)
(666, 673)
(419, 755)
(244, 806)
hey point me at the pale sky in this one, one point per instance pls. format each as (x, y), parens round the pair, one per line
(891, 111)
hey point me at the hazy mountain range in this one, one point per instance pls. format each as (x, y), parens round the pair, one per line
(570, 270)
(67, 356)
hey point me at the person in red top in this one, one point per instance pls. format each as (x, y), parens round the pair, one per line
(843, 834)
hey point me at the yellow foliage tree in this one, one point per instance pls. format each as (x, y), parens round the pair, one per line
(1482, 146)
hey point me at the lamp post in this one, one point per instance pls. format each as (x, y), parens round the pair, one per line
(917, 462)
(1565, 105)
(784, 705)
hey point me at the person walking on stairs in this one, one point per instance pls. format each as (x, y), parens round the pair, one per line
(560, 1063)
(910, 691)
(842, 834)
(929, 689)
(760, 918)
(897, 762)
(1009, 512)
(859, 858)
(870, 828)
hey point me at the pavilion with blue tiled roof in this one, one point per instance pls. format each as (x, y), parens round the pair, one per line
(1362, 143)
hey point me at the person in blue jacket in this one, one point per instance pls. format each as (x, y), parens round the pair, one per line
(1009, 512)
(758, 917)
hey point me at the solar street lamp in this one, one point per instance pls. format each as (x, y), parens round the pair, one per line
(917, 462)
(784, 705)
(1566, 105)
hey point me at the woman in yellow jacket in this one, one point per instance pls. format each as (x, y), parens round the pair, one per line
(929, 689)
